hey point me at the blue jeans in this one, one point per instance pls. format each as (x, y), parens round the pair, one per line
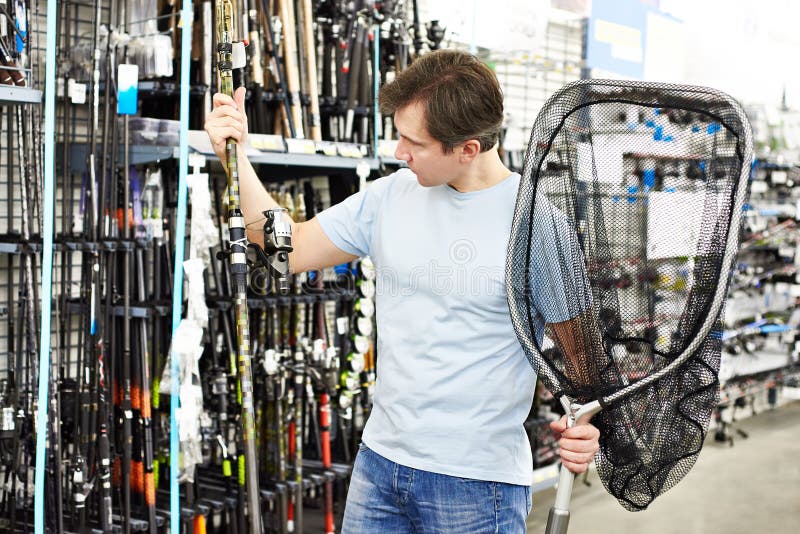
(388, 498)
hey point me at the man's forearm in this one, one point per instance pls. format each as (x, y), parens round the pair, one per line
(579, 340)
(254, 198)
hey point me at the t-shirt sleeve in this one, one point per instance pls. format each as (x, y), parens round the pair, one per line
(560, 283)
(350, 223)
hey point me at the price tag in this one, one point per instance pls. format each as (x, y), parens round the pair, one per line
(255, 141)
(274, 143)
(128, 84)
(386, 149)
(271, 143)
(327, 148)
(349, 150)
(76, 92)
(778, 177)
(301, 146)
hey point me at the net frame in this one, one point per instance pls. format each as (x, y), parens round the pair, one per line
(718, 106)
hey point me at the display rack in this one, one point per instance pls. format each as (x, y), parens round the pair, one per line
(70, 239)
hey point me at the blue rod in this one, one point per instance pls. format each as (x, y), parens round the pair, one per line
(47, 266)
(376, 83)
(177, 287)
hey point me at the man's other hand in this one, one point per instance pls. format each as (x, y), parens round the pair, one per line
(578, 444)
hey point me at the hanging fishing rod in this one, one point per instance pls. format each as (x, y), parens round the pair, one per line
(126, 413)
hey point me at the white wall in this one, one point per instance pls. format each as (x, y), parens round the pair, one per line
(507, 25)
(748, 48)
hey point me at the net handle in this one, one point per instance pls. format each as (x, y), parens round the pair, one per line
(577, 414)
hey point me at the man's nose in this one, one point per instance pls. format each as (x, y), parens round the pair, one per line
(401, 153)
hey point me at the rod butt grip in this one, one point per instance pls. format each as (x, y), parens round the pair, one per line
(557, 521)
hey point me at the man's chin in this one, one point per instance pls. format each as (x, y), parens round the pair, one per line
(421, 181)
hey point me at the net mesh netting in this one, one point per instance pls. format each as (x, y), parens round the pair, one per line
(624, 233)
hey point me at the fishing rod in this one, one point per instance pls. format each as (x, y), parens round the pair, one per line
(92, 346)
(28, 318)
(89, 337)
(289, 24)
(299, 372)
(271, 41)
(9, 171)
(106, 383)
(143, 461)
(300, 55)
(257, 119)
(324, 353)
(126, 414)
(233, 456)
(238, 260)
(354, 64)
(158, 328)
(207, 12)
(364, 85)
(330, 28)
(310, 47)
(55, 487)
(275, 379)
(107, 229)
(11, 394)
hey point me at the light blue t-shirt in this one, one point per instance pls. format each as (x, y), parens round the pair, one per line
(453, 385)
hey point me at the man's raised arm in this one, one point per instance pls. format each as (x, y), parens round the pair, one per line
(312, 247)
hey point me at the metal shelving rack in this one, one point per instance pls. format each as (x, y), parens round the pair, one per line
(11, 94)
(286, 164)
(283, 163)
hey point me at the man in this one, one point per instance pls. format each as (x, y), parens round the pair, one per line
(444, 449)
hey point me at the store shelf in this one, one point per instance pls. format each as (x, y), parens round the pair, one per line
(139, 155)
(12, 94)
(155, 88)
(11, 246)
(288, 164)
(134, 311)
(308, 160)
(739, 365)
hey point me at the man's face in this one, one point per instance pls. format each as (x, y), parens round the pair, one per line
(422, 153)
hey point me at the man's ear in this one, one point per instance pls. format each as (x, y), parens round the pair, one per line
(470, 150)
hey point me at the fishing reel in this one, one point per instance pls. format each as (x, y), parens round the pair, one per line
(274, 256)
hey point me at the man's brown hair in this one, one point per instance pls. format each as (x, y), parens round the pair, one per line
(460, 94)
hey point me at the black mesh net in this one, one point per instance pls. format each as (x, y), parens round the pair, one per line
(624, 234)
